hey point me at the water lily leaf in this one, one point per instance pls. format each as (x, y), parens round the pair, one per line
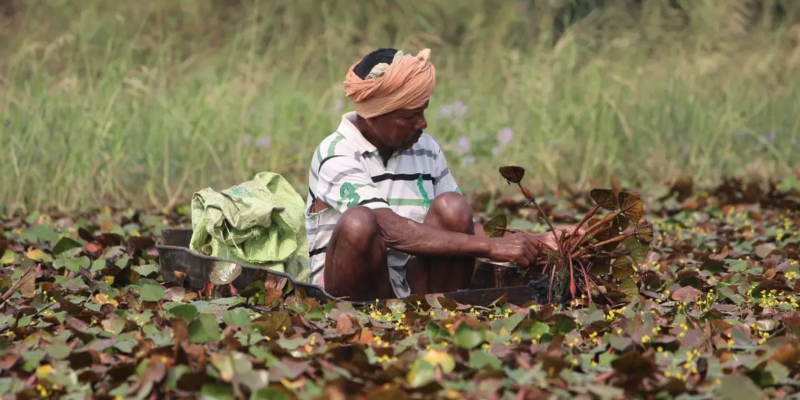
(234, 366)
(467, 337)
(237, 317)
(26, 284)
(152, 293)
(9, 257)
(629, 288)
(38, 255)
(440, 358)
(496, 226)
(114, 324)
(604, 198)
(420, 374)
(763, 250)
(146, 270)
(479, 358)
(737, 386)
(204, 328)
(58, 350)
(686, 293)
(789, 353)
(225, 273)
(638, 251)
(64, 244)
(512, 173)
(622, 268)
(186, 311)
(644, 231)
(215, 391)
(631, 206)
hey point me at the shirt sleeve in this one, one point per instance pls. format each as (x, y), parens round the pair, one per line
(344, 183)
(443, 179)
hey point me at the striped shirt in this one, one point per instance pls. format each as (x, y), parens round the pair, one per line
(347, 171)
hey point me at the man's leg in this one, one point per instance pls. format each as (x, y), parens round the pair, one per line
(451, 212)
(355, 261)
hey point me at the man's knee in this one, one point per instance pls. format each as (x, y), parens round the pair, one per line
(454, 212)
(357, 224)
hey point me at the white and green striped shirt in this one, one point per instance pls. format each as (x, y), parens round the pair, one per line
(347, 171)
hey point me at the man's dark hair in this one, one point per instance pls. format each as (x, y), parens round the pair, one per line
(385, 55)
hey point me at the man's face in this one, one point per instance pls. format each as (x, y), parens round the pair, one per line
(400, 129)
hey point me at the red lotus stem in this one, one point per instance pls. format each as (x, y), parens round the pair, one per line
(572, 287)
(619, 238)
(585, 218)
(550, 288)
(594, 229)
(586, 280)
(527, 193)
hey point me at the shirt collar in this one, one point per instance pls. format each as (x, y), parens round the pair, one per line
(349, 130)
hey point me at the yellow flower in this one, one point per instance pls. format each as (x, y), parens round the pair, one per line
(44, 370)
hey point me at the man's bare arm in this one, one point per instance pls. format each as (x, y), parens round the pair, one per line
(419, 239)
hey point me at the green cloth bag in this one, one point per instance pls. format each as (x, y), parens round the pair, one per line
(259, 222)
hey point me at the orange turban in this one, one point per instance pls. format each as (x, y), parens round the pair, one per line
(406, 83)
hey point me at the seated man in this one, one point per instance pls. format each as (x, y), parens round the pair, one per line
(385, 218)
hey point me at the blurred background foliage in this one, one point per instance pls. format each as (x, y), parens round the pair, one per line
(143, 102)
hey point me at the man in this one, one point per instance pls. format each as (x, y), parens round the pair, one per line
(385, 218)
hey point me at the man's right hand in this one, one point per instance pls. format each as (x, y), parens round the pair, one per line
(516, 248)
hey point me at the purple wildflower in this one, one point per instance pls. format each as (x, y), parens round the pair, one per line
(463, 144)
(772, 136)
(504, 136)
(263, 142)
(457, 110)
(446, 111)
(496, 151)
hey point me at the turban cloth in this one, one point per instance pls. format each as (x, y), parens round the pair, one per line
(406, 83)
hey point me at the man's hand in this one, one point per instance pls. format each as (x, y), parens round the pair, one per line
(516, 248)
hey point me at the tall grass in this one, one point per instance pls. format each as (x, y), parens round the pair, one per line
(144, 102)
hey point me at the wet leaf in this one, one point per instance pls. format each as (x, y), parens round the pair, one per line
(512, 173)
(789, 353)
(65, 244)
(604, 198)
(736, 387)
(644, 231)
(631, 206)
(225, 273)
(496, 226)
(237, 317)
(686, 293)
(438, 358)
(622, 268)
(420, 374)
(467, 337)
(152, 293)
(38, 255)
(204, 328)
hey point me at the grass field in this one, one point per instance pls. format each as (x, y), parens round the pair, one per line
(142, 103)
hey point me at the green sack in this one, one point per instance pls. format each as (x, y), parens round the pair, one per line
(258, 222)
